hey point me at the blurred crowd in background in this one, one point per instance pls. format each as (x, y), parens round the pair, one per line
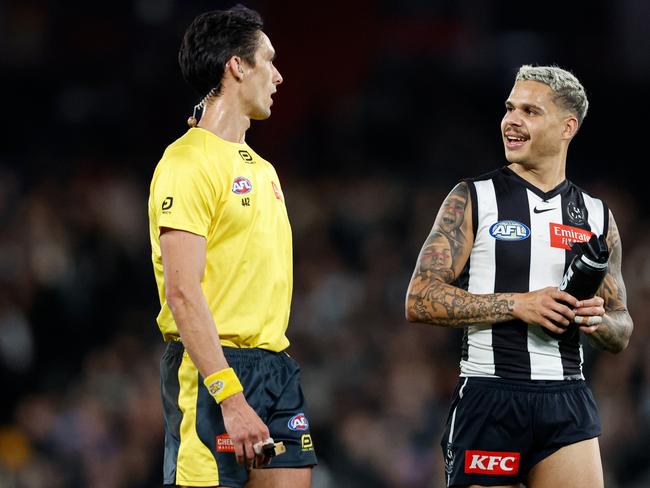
(385, 105)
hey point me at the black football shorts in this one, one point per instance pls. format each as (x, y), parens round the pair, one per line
(198, 450)
(497, 429)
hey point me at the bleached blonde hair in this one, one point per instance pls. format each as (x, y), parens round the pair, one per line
(569, 92)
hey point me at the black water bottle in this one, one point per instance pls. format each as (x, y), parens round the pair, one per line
(588, 268)
(585, 274)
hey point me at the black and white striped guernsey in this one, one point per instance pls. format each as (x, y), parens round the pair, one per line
(522, 243)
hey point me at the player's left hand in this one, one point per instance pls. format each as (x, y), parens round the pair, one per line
(589, 314)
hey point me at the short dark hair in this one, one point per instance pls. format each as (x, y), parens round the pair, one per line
(212, 39)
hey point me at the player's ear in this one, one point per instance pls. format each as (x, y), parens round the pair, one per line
(570, 127)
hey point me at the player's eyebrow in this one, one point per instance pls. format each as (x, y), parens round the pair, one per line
(524, 105)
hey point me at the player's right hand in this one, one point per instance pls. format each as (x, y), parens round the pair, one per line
(245, 429)
(549, 307)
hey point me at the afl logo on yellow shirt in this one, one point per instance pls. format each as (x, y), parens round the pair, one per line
(241, 186)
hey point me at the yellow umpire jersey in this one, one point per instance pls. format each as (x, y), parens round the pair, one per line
(228, 194)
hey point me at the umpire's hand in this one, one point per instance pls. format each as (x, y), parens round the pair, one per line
(245, 428)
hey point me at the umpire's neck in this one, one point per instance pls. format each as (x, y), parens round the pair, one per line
(224, 116)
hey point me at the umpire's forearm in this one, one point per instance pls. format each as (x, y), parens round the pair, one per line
(197, 329)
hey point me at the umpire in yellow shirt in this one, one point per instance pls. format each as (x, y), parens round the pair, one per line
(222, 258)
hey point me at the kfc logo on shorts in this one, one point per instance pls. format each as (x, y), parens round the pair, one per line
(298, 422)
(241, 185)
(491, 462)
(225, 444)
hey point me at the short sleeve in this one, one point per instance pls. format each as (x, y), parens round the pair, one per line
(184, 192)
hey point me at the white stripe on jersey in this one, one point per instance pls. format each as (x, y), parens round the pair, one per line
(480, 360)
(596, 213)
(546, 269)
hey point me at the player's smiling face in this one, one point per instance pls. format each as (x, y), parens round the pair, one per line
(532, 127)
(261, 81)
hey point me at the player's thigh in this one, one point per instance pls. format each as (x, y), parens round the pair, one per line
(280, 478)
(574, 466)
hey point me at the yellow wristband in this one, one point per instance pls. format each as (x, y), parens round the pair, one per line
(223, 384)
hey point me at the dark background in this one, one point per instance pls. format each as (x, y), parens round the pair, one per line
(385, 105)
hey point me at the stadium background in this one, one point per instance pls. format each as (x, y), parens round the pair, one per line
(385, 105)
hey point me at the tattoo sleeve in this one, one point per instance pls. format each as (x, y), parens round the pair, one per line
(614, 333)
(431, 298)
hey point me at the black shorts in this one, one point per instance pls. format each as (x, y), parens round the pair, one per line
(198, 451)
(497, 429)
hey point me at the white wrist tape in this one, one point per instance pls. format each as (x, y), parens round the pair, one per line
(592, 320)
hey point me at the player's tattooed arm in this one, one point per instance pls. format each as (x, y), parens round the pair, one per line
(614, 332)
(430, 297)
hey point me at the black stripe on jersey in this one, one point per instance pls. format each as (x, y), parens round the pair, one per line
(512, 264)
(605, 220)
(463, 282)
(463, 279)
(464, 351)
(569, 342)
(474, 200)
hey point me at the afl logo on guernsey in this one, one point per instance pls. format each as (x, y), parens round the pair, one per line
(241, 185)
(298, 422)
(509, 230)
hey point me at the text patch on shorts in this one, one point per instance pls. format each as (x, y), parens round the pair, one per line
(491, 462)
(225, 444)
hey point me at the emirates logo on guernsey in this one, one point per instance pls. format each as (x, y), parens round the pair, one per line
(563, 236)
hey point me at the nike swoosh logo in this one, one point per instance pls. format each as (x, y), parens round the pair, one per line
(542, 210)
